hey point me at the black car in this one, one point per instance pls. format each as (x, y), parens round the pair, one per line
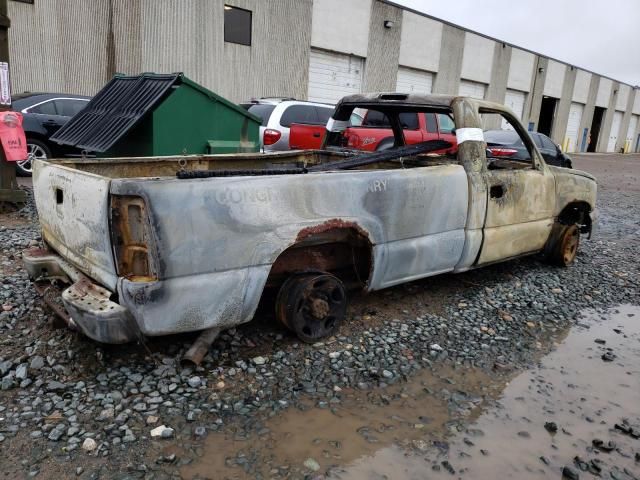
(507, 144)
(44, 114)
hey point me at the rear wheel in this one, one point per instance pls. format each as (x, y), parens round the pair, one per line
(313, 305)
(564, 245)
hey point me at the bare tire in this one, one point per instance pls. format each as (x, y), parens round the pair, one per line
(564, 248)
(312, 305)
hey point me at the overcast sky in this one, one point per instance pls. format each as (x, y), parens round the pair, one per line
(598, 35)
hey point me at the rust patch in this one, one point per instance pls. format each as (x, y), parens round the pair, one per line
(340, 247)
(333, 224)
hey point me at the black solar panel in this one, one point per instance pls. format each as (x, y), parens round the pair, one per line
(114, 110)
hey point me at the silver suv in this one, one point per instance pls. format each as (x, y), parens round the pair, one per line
(278, 114)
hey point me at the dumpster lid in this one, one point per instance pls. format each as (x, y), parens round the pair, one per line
(120, 106)
(115, 109)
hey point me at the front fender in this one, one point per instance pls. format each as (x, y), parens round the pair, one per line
(574, 186)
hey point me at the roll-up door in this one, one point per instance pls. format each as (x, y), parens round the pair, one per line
(333, 75)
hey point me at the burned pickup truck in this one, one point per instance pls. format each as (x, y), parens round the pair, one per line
(155, 246)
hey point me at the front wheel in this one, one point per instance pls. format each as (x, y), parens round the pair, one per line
(36, 150)
(313, 305)
(564, 243)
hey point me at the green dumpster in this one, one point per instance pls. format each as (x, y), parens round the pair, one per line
(156, 115)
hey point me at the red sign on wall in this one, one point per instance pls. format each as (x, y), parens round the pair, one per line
(12, 136)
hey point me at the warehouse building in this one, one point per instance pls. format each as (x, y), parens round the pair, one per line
(314, 49)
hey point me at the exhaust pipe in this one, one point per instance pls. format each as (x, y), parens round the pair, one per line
(200, 347)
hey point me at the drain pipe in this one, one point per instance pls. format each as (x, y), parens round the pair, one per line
(200, 347)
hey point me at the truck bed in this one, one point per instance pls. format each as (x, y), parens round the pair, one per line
(132, 167)
(155, 167)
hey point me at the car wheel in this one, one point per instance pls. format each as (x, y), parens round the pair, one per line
(36, 150)
(563, 247)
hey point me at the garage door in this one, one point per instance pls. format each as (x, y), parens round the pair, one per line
(333, 75)
(573, 126)
(515, 101)
(631, 140)
(472, 89)
(615, 131)
(413, 81)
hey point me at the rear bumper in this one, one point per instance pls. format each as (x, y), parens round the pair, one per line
(88, 304)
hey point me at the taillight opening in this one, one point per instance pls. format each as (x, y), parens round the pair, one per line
(270, 136)
(131, 238)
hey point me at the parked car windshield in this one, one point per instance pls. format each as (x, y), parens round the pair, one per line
(262, 110)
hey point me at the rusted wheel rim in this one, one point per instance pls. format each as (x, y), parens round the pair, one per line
(570, 245)
(314, 306)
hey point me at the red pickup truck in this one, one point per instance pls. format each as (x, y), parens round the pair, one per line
(370, 130)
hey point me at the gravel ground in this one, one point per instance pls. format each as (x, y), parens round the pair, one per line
(70, 407)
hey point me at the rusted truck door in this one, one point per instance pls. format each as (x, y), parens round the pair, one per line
(520, 204)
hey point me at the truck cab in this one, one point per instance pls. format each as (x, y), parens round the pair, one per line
(370, 130)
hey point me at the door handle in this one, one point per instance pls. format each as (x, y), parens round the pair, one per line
(316, 135)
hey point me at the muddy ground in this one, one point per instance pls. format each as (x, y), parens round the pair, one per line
(452, 376)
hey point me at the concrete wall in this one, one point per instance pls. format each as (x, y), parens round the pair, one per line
(340, 25)
(623, 96)
(498, 83)
(420, 42)
(381, 67)
(534, 99)
(477, 58)
(564, 105)
(450, 65)
(554, 79)
(521, 70)
(627, 107)
(581, 88)
(58, 46)
(636, 103)
(604, 92)
(603, 138)
(587, 113)
(161, 36)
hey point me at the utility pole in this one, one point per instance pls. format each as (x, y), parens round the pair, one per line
(10, 195)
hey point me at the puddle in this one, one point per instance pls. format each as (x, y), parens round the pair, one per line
(363, 423)
(573, 387)
(405, 431)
